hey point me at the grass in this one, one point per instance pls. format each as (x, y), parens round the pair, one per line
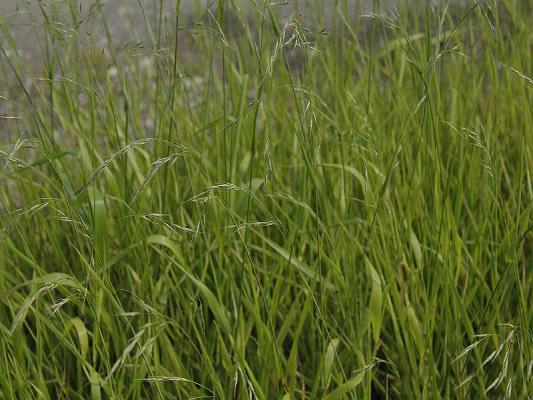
(253, 206)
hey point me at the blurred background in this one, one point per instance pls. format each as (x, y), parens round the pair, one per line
(127, 18)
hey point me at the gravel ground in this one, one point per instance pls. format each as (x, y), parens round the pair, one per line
(126, 20)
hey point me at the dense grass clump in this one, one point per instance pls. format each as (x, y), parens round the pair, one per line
(262, 200)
